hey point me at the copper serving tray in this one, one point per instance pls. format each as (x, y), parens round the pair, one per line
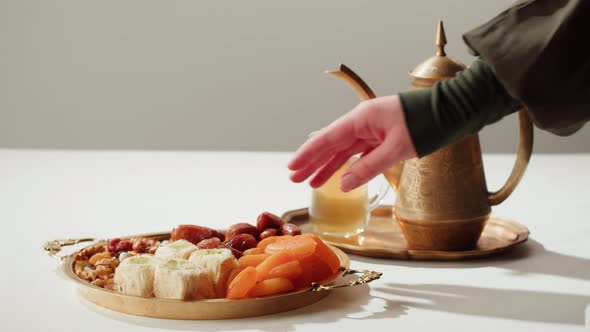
(203, 309)
(383, 238)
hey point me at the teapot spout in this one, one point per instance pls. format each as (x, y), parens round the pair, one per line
(356, 82)
(393, 175)
(365, 93)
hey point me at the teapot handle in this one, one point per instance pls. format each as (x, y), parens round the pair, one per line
(525, 149)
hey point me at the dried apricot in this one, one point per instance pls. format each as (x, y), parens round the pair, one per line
(253, 251)
(233, 274)
(290, 270)
(271, 287)
(251, 260)
(269, 240)
(274, 260)
(314, 269)
(299, 246)
(326, 254)
(242, 284)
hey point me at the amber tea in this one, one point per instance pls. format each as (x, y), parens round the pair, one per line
(337, 213)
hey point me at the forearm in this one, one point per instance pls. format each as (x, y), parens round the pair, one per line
(455, 108)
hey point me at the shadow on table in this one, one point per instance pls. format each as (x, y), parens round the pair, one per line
(499, 303)
(531, 257)
(349, 303)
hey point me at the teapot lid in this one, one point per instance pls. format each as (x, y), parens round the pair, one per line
(438, 67)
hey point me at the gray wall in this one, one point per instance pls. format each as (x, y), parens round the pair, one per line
(215, 74)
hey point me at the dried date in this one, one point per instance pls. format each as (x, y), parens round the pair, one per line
(268, 220)
(242, 242)
(237, 254)
(290, 229)
(192, 233)
(220, 235)
(211, 243)
(242, 228)
(268, 233)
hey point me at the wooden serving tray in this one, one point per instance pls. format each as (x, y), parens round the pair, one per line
(383, 238)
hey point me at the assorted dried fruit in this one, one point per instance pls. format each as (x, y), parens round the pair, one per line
(282, 264)
(97, 264)
(238, 237)
(138, 245)
(198, 262)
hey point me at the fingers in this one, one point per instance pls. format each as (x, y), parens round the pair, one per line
(335, 137)
(301, 174)
(367, 151)
(370, 165)
(326, 172)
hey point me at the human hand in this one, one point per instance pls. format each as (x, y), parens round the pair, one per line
(376, 128)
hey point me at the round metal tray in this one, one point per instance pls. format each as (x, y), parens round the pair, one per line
(383, 238)
(203, 309)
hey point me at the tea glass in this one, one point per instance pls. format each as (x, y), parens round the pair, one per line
(336, 213)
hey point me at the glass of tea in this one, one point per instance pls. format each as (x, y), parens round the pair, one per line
(342, 214)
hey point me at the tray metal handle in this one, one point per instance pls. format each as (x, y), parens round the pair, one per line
(52, 248)
(365, 277)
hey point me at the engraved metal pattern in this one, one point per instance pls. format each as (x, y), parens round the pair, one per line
(365, 277)
(446, 185)
(52, 248)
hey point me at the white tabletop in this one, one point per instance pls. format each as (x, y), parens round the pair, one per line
(543, 286)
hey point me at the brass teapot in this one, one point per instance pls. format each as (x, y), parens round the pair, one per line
(442, 199)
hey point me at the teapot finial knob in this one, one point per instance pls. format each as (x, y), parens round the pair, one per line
(441, 39)
(437, 67)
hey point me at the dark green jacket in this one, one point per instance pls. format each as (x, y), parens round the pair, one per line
(536, 54)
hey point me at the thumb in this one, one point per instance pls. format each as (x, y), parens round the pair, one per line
(370, 165)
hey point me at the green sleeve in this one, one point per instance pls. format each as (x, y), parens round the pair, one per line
(539, 51)
(455, 108)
